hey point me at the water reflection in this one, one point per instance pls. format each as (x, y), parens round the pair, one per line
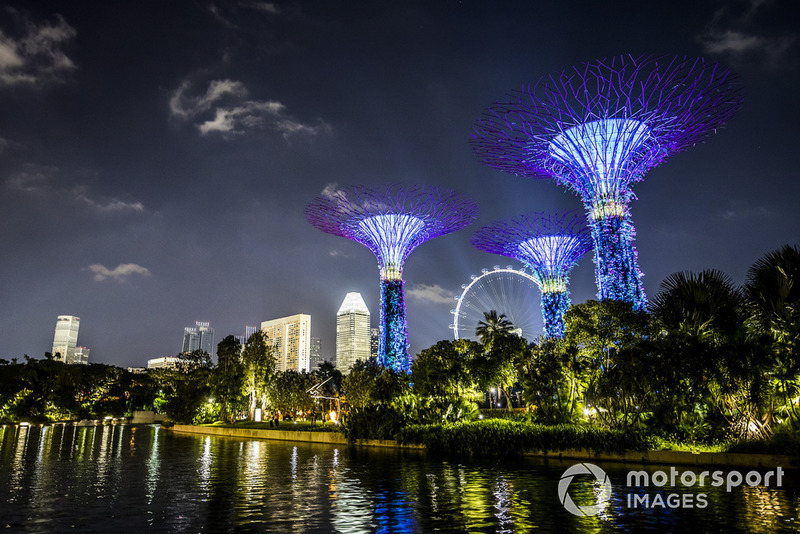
(107, 478)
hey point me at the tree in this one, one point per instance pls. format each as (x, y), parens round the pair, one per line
(229, 378)
(446, 370)
(289, 392)
(554, 380)
(186, 387)
(259, 370)
(709, 368)
(772, 293)
(610, 335)
(494, 327)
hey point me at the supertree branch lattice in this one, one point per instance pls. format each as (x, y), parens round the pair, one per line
(597, 129)
(392, 221)
(550, 245)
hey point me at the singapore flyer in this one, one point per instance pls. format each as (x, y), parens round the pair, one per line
(507, 290)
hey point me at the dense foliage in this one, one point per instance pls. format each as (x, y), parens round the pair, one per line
(500, 437)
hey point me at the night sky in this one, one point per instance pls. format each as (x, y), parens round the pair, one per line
(156, 157)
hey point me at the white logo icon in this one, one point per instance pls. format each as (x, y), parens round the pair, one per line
(603, 496)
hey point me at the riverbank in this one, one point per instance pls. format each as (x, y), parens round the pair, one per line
(330, 438)
(663, 457)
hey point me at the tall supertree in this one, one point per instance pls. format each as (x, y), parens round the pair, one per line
(597, 129)
(550, 245)
(392, 221)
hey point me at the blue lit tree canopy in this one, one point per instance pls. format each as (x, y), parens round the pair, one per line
(597, 128)
(392, 221)
(550, 245)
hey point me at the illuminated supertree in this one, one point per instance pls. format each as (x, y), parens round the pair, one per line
(392, 221)
(550, 245)
(597, 129)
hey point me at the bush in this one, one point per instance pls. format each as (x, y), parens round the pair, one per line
(783, 441)
(498, 437)
(372, 422)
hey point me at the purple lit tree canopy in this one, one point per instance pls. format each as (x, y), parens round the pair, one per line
(597, 129)
(550, 245)
(392, 221)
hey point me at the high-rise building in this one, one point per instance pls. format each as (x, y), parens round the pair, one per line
(292, 335)
(374, 341)
(81, 355)
(352, 332)
(166, 362)
(315, 354)
(200, 336)
(65, 340)
(248, 331)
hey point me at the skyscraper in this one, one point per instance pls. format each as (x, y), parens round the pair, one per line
(248, 331)
(65, 339)
(81, 355)
(315, 354)
(200, 336)
(292, 335)
(352, 332)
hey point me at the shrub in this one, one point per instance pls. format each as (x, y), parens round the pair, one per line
(498, 437)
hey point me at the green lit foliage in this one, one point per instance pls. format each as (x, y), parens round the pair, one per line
(553, 380)
(711, 372)
(187, 387)
(49, 390)
(502, 349)
(611, 337)
(447, 370)
(772, 294)
(288, 392)
(375, 397)
(228, 380)
(445, 384)
(500, 437)
(259, 370)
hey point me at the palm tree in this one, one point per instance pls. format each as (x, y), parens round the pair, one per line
(706, 305)
(493, 328)
(772, 291)
(492, 331)
(701, 316)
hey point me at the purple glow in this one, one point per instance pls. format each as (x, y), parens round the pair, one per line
(391, 234)
(549, 245)
(392, 221)
(597, 129)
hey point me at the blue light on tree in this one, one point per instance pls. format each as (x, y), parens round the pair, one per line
(550, 245)
(392, 221)
(597, 129)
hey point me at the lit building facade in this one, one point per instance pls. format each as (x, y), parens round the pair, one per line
(167, 362)
(374, 342)
(352, 332)
(81, 355)
(315, 355)
(65, 340)
(292, 335)
(200, 336)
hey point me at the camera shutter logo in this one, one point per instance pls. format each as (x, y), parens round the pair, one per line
(603, 496)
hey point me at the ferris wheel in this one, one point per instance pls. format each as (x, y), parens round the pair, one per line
(507, 290)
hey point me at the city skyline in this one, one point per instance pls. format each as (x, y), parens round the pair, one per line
(156, 159)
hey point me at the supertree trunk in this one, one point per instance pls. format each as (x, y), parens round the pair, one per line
(554, 305)
(393, 342)
(616, 267)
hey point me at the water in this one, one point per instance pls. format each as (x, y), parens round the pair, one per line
(123, 478)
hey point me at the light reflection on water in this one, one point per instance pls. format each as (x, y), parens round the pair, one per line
(107, 478)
